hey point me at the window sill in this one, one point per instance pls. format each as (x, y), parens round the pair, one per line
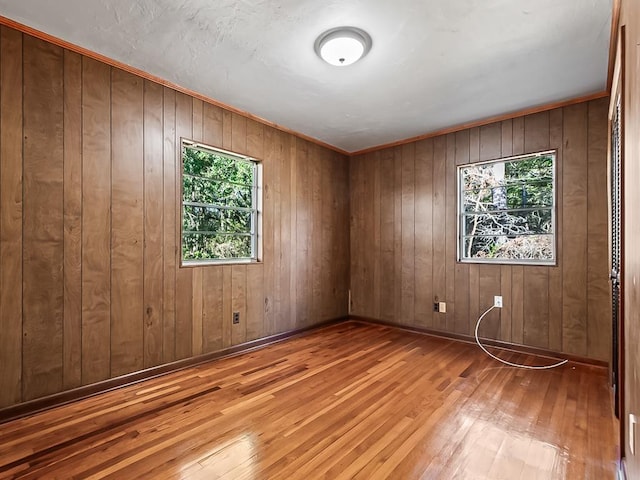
(516, 263)
(218, 263)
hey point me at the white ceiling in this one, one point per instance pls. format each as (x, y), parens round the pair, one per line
(433, 64)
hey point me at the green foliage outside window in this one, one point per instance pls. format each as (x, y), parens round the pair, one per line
(507, 210)
(218, 205)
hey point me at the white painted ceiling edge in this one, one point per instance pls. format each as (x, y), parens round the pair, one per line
(434, 63)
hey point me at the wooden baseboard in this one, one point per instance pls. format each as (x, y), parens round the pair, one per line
(511, 347)
(33, 406)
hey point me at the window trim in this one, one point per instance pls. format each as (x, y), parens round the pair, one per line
(256, 216)
(553, 262)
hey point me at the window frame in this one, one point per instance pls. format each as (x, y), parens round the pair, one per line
(256, 210)
(461, 214)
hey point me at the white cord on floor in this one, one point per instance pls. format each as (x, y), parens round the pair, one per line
(530, 367)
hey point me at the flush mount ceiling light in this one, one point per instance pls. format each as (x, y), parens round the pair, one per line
(343, 46)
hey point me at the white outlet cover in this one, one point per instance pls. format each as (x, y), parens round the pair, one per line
(497, 301)
(442, 307)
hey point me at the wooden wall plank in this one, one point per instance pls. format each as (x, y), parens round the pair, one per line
(10, 216)
(303, 232)
(127, 223)
(489, 286)
(518, 135)
(356, 175)
(387, 250)
(574, 205)
(366, 222)
(340, 242)
(227, 306)
(424, 233)
(254, 295)
(295, 206)
(450, 225)
(43, 223)
(239, 133)
(491, 141)
(322, 217)
(505, 313)
(212, 316)
(285, 281)
(196, 311)
(536, 307)
(171, 217)
(96, 221)
(536, 132)
(239, 303)
(407, 277)
(555, 273)
(153, 224)
(184, 275)
(517, 304)
(227, 130)
(72, 268)
(255, 139)
(507, 138)
(314, 270)
(439, 231)
(598, 292)
(212, 128)
(474, 296)
(376, 173)
(197, 112)
(397, 234)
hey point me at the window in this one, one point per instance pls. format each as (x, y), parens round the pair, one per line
(219, 205)
(506, 210)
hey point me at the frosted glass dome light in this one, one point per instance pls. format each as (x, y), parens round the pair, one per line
(343, 46)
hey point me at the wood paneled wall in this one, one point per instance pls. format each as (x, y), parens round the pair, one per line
(630, 19)
(403, 236)
(90, 284)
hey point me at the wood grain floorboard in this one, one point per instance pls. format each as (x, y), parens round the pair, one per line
(348, 401)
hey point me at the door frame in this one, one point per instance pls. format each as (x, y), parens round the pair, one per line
(618, 92)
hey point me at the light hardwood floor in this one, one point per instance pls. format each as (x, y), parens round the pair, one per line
(348, 401)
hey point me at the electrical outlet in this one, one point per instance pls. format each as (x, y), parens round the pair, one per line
(436, 307)
(442, 307)
(497, 301)
(633, 420)
(236, 318)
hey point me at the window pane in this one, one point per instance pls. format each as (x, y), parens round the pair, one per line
(217, 166)
(209, 219)
(538, 194)
(508, 197)
(531, 168)
(528, 247)
(509, 223)
(201, 190)
(197, 246)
